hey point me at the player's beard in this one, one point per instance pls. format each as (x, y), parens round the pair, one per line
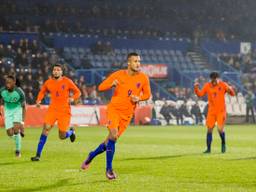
(10, 89)
(214, 82)
(56, 77)
(135, 70)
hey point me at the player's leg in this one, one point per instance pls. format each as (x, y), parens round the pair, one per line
(114, 134)
(113, 121)
(110, 151)
(221, 119)
(10, 133)
(42, 141)
(48, 125)
(17, 119)
(17, 138)
(9, 126)
(124, 123)
(63, 125)
(210, 123)
(247, 117)
(253, 117)
(100, 149)
(22, 130)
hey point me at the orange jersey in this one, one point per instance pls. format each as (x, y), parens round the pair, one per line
(59, 92)
(137, 85)
(216, 95)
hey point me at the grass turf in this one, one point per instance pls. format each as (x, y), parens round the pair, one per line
(147, 159)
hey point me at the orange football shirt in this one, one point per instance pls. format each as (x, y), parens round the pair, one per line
(137, 85)
(216, 95)
(59, 93)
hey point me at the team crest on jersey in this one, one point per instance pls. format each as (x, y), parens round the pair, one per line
(219, 88)
(138, 85)
(129, 92)
(63, 87)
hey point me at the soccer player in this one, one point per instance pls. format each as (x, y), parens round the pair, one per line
(215, 90)
(60, 88)
(14, 110)
(131, 86)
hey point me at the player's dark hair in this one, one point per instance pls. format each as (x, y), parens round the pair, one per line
(214, 75)
(61, 66)
(11, 77)
(58, 65)
(132, 54)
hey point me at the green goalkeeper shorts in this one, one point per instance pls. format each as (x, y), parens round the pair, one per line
(12, 116)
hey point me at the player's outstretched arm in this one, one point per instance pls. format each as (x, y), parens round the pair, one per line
(41, 94)
(38, 104)
(23, 103)
(230, 90)
(198, 92)
(1, 105)
(23, 111)
(76, 92)
(146, 90)
(108, 83)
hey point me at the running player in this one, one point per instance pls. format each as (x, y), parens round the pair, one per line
(215, 90)
(14, 110)
(131, 86)
(60, 88)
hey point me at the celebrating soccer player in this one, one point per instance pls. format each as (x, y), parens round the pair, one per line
(131, 86)
(14, 110)
(59, 109)
(215, 90)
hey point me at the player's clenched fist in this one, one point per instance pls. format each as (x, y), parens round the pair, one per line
(115, 83)
(135, 98)
(196, 84)
(38, 104)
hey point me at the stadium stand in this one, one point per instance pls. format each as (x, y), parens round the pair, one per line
(35, 34)
(31, 63)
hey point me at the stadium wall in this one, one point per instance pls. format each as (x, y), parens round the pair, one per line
(82, 115)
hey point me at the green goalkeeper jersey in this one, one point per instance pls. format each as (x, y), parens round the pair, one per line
(13, 99)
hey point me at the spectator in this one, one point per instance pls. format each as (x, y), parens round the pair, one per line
(205, 111)
(183, 112)
(93, 93)
(165, 111)
(31, 99)
(196, 113)
(249, 99)
(84, 92)
(175, 113)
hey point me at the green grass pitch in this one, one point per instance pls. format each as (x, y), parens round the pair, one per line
(147, 159)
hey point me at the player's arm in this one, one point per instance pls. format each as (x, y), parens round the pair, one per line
(108, 83)
(23, 103)
(23, 112)
(230, 90)
(41, 94)
(198, 92)
(76, 92)
(146, 91)
(1, 105)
